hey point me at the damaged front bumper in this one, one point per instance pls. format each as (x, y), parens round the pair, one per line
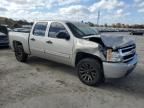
(118, 70)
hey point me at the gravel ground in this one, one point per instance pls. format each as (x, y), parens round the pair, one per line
(44, 84)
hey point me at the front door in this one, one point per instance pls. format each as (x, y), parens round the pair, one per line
(59, 50)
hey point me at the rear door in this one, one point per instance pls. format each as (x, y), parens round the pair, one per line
(36, 40)
(56, 49)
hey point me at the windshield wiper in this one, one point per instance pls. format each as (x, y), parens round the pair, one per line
(89, 34)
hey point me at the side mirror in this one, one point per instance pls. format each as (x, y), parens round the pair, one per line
(63, 35)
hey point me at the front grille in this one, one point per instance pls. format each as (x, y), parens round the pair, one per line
(128, 56)
(128, 53)
(128, 48)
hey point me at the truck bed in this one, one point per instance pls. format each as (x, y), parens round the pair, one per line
(21, 37)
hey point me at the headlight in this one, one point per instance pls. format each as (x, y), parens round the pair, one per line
(113, 56)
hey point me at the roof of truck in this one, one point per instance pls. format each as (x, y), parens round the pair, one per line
(65, 21)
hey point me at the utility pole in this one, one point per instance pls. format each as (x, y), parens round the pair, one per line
(98, 17)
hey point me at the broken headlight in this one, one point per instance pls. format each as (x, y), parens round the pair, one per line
(113, 56)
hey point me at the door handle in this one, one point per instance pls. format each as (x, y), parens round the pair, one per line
(49, 42)
(32, 39)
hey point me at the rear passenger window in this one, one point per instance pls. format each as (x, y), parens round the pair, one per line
(40, 29)
(55, 28)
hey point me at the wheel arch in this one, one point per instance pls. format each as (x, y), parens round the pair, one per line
(25, 46)
(16, 43)
(82, 55)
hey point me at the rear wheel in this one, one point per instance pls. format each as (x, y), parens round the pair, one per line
(20, 54)
(90, 72)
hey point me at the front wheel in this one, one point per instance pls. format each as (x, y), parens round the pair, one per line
(90, 72)
(20, 54)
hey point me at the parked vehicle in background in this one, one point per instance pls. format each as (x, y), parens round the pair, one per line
(4, 39)
(95, 56)
(137, 32)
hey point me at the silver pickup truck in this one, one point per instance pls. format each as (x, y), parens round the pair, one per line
(95, 56)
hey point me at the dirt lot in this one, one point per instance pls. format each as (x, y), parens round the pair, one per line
(43, 84)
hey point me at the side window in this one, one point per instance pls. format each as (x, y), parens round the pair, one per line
(40, 29)
(55, 28)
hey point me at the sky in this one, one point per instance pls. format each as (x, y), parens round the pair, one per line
(111, 11)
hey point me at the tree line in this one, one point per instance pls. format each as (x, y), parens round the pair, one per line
(13, 23)
(118, 25)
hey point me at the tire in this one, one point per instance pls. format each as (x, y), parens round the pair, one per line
(20, 54)
(90, 72)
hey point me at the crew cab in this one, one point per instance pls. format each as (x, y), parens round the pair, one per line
(95, 57)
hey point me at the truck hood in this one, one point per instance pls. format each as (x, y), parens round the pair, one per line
(112, 41)
(116, 41)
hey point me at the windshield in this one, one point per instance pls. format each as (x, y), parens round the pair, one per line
(81, 30)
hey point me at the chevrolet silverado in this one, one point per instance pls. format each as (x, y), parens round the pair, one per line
(95, 57)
